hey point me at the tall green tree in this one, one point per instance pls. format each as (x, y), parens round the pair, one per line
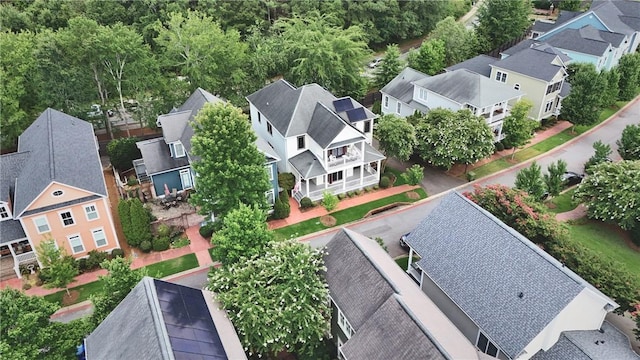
(397, 138)
(530, 180)
(460, 43)
(244, 234)
(230, 167)
(570, 5)
(289, 312)
(517, 127)
(553, 178)
(390, 66)
(321, 52)
(601, 154)
(612, 193)
(60, 268)
(629, 69)
(446, 138)
(584, 103)
(122, 152)
(611, 92)
(140, 230)
(500, 21)
(629, 143)
(429, 58)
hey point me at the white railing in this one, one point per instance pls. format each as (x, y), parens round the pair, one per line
(24, 257)
(352, 155)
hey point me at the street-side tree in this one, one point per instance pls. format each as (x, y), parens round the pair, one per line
(629, 69)
(429, 58)
(276, 301)
(570, 5)
(500, 21)
(629, 143)
(611, 92)
(530, 180)
(602, 152)
(115, 287)
(230, 167)
(553, 177)
(446, 138)
(60, 268)
(122, 152)
(517, 127)
(584, 103)
(390, 66)
(397, 138)
(460, 43)
(612, 193)
(244, 234)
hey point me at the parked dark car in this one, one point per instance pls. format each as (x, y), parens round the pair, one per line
(571, 178)
(402, 242)
(373, 64)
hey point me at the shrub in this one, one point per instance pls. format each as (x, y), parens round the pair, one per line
(82, 265)
(161, 243)
(124, 211)
(376, 108)
(414, 175)
(131, 181)
(507, 144)
(95, 258)
(342, 196)
(181, 242)
(359, 192)
(306, 203)
(122, 152)
(384, 182)
(329, 201)
(206, 230)
(376, 187)
(286, 181)
(26, 286)
(350, 193)
(281, 208)
(146, 246)
(164, 230)
(471, 176)
(499, 146)
(117, 253)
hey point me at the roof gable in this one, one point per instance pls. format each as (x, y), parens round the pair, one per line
(534, 63)
(401, 87)
(46, 199)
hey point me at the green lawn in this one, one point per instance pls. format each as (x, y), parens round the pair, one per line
(342, 216)
(157, 270)
(403, 261)
(563, 202)
(397, 173)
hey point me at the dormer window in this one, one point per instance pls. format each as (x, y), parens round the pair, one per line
(4, 212)
(500, 76)
(423, 94)
(178, 150)
(301, 142)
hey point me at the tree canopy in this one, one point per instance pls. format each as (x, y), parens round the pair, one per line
(460, 43)
(60, 268)
(629, 143)
(397, 138)
(584, 103)
(390, 66)
(629, 69)
(518, 127)
(429, 58)
(500, 21)
(530, 180)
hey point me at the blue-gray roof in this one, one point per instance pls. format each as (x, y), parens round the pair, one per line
(578, 41)
(307, 165)
(11, 230)
(532, 62)
(63, 149)
(157, 156)
(619, 16)
(483, 266)
(401, 87)
(479, 64)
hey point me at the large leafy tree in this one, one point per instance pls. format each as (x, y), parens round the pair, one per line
(553, 178)
(500, 21)
(584, 103)
(122, 152)
(601, 154)
(517, 127)
(629, 143)
(429, 58)
(230, 167)
(244, 233)
(446, 137)
(611, 92)
(530, 180)
(390, 66)
(396, 136)
(612, 193)
(278, 300)
(460, 43)
(60, 268)
(321, 52)
(629, 69)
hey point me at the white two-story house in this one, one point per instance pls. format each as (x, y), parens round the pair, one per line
(413, 91)
(324, 141)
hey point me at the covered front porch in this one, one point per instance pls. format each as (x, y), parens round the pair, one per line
(14, 254)
(338, 182)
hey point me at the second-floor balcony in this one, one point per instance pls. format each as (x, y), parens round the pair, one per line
(497, 114)
(340, 157)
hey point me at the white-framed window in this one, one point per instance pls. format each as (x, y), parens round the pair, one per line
(91, 211)
(500, 76)
(99, 237)
(486, 346)
(301, 142)
(57, 193)
(271, 198)
(67, 218)
(386, 102)
(4, 213)
(367, 126)
(344, 325)
(178, 150)
(269, 128)
(259, 118)
(269, 171)
(516, 86)
(75, 241)
(42, 225)
(548, 106)
(398, 107)
(185, 177)
(423, 94)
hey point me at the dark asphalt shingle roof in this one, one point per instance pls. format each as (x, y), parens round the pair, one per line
(307, 165)
(531, 62)
(479, 64)
(619, 16)
(483, 265)
(157, 156)
(11, 230)
(543, 26)
(401, 87)
(522, 45)
(325, 125)
(574, 40)
(63, 149)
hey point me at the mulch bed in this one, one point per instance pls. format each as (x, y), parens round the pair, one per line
(71, 298)
(413, 195)
(328, 220)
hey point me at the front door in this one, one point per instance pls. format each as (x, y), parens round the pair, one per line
(185, 178)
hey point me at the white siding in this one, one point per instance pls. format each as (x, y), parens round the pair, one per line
(405, 111)
(276, 140)
(438, 101)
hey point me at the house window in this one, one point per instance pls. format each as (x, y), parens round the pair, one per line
(336, 176)
(367, 126)
(57, 193)
(4, 212)
(500, 76)
(76, 244)
(271, 199)
(486, 346)
(557, 86)
(548, 106)
(91, 212)
(516, 86)
(99, 237)
(269, 172)
(398, 107)
(42, 224)
(549, 89)
(344, 325)
(386, 102)
(178, 150)
(259, 118)
(269, 128)
(300, 142)
(67, 218)
(185, 177)
(423, 94)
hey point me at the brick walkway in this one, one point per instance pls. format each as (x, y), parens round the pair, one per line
(578, 213)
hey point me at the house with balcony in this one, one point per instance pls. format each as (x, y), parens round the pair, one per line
(325, 142)
(455, 90)
(378, 312)
(53, 188)
(166, 161)
(507, 296)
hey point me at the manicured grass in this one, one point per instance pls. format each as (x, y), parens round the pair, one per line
(343, 216)
(399, 180)
(563, 202)
(600, 238)
(403, 261)
(158, 270)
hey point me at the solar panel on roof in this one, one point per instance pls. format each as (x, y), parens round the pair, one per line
(356, 114)
(342, 105)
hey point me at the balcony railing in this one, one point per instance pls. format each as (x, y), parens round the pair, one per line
(353, 155)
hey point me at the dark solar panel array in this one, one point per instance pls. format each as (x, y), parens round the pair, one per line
(356, 114)
(191, 330)
(342, 105)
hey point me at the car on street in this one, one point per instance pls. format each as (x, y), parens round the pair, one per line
(403, 242)
(571, 178)
(375, 63)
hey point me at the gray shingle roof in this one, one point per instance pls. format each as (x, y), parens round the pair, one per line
(590, 345)
(11, 230)
(524, 44)
(401, 87)
(10, 165)
(371, 154)
(573, 40)
(479, 64)
(531, 62)
(543, 26)
(483, 265)
(157, 156)
(307, 165)
(268, 152)
(63, 149)
(619, 16)
(467, 87)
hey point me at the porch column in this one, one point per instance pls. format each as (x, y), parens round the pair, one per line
(378, 170)
(16, 267)
(344, 180)
(306, 184)
(410, 260)
(362, 170)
